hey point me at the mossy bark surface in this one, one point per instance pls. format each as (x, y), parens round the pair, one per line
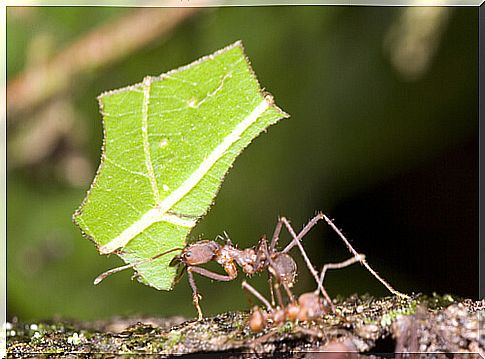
(361, 324)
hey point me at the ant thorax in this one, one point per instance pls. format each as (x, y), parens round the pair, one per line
(247, 261)
(246, 258)
(225, 258)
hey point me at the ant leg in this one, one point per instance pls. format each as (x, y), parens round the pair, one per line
(258, 295)
(279, 297)
(339, 265)
(261, 252)
(195, 293)
(291, 297)
(362, 260)
(303, 232)
(264, 251)
(279, 281)
(276, 235)
(206, 273)
(296, 239)
(271, 290)
(216, 276)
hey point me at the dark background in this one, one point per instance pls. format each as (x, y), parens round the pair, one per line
(383, 137)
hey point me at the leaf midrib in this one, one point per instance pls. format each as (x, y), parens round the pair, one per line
(162, 207)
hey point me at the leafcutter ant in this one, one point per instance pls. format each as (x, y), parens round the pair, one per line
(262, 257)
(309, 306)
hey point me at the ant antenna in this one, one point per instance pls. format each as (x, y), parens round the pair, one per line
(102, 276)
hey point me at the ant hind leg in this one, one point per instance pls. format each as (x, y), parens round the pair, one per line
(296, 240)
(362, 259)
(339, 265)
(276, 235)
(318, 217)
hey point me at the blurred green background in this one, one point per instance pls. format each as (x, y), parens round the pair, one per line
(383, 137)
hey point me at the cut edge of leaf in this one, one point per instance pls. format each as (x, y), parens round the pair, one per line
(238, 43)
(76, 217)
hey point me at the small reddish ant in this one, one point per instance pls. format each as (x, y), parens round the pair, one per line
(279, 264)
(309, 306)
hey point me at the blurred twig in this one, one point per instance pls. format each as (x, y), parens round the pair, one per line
(105, 44)
(413, 39)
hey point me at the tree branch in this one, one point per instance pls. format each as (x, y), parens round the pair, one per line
(108, 43)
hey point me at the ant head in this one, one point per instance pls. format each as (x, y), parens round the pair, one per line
(257, 320)
(199, 253)
(311, 305)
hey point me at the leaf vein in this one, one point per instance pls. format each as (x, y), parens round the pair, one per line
(146, 145)
(158, 213)
(114, 163)
(215, 92)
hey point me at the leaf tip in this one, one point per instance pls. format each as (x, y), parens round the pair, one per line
(238, 43)
(271, 103)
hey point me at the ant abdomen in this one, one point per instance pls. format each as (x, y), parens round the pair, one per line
(257, 320)
(292, 310)
(311, 306)
(283, 267)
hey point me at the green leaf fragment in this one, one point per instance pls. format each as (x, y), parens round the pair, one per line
(168, 142)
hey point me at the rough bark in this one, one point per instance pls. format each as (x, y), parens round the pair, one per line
(361, 326)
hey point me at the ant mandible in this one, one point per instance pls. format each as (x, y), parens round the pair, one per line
(279, 264)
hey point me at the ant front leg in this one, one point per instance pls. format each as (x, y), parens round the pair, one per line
(206, 273)
(262, 258)
(271, 290)
(288, 291)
